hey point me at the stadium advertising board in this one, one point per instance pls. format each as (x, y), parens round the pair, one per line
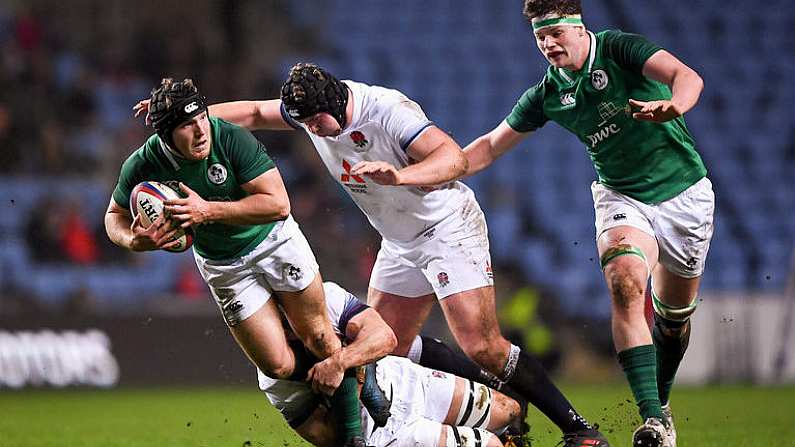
(118, 351)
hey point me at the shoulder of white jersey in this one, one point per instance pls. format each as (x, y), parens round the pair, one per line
(375, 98)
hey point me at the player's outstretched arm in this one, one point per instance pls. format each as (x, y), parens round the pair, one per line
(267, 202)
(253, 115)
(129, 233)
(686, 86)
(485, 149)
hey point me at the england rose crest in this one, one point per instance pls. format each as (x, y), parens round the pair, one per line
(443, 279)
(358, 138)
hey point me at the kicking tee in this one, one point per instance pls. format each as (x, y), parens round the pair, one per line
(236, 157)
(650, 162)
(384, 123)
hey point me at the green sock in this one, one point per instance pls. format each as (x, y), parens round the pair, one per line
(639, 366)
(670, 340)
(345, 407)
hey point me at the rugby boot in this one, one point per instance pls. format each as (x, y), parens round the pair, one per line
(585, 438)
(668, 421)
(651, 434)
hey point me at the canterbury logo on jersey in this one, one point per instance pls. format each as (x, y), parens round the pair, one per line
(567, 100)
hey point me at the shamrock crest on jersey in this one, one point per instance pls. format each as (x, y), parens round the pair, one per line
(216, 173)
(599, 79)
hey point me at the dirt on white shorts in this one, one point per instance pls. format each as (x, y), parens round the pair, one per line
(282, 262)
(421, 399)
(451, 257)
(682, 225)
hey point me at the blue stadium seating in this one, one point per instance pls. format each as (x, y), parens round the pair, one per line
(466, 62)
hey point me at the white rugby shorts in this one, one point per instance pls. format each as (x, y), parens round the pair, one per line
(421, 398)
(682, 225)
(282, 262)
(451, 257)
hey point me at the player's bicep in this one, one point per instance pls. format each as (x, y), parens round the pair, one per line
(431, 139)
(369, 320)
(664, 67)
(269, 182)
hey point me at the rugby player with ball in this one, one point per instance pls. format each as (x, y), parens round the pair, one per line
(247, 246)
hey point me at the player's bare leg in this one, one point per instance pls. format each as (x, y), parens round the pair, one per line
(405, 315)
(307, 315)
(262, 338)
(489, 412)
(502, 408)
(472, 318)
(627, 254)
(306, 312)
(676, 300)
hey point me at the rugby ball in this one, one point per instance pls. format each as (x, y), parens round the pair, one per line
(147, 200)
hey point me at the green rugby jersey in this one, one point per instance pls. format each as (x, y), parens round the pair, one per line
(236, 157)
(650, 162)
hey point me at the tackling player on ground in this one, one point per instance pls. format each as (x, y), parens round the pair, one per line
(380, 146)
(246, 244)
(429, 408)
(624, 97)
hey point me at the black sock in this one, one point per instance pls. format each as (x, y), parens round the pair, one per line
(439, 356)
(670, 341)
(530, 379)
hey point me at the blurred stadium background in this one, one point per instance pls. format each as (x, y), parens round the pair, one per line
(77, 311)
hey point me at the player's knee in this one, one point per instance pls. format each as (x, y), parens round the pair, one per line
(672, 317)
(626, 285)
(278, 370)
(504, 411)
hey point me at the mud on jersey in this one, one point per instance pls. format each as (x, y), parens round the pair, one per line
(650, 162)
(236, 157)
(384, 123)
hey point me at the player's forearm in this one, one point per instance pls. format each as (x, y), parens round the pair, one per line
(370, 345)
(686, 89)
(479, 155)
(243, 113)
(443, 165)
(117, 226)
(253, 115)
(252, 210)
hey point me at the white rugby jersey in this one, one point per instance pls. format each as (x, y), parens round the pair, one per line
(384, 123)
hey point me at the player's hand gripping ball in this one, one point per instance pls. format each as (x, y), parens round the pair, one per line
(147, 200)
